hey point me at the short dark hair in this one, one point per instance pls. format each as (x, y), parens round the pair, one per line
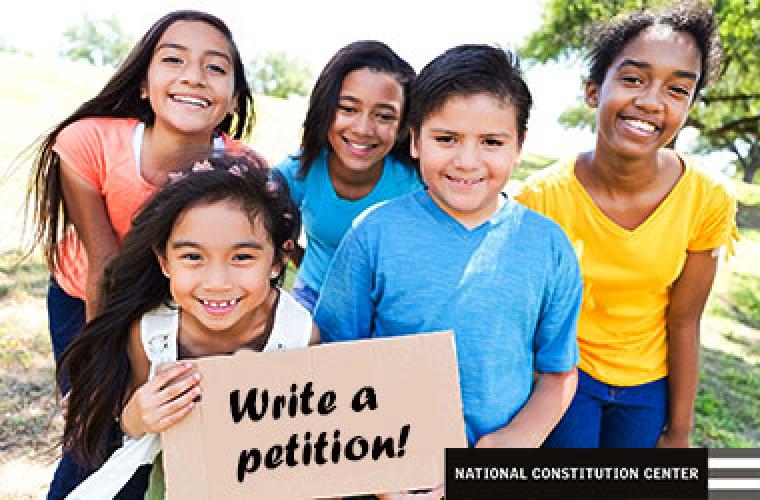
(323, 102)
(467, 70)
(695, 17)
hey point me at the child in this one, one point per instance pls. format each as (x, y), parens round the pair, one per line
(459, 255)
(646, 222)
(354, 152)
(181, 86)
(196, 276)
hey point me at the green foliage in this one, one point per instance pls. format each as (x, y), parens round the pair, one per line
(727, 114)
(579, 116)
(279, 75)
(99, 42)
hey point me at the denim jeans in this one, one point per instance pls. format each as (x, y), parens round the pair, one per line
(305, 295)
(608, 416)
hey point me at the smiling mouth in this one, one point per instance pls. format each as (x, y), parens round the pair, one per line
(193, 101)
(360, 148)
(464, 182)
(219, 307)
(641, 125)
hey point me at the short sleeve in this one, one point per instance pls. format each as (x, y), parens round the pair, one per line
(555, 342)
(289, 168)
(345, 309)
(80, 146)
(717, 225)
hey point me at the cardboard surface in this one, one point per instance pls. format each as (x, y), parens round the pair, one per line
(340, 419)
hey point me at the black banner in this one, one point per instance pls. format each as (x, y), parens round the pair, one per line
(483, 474)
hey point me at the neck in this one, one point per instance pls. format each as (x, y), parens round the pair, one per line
(624, 175)
(353, 184)
(161, 150)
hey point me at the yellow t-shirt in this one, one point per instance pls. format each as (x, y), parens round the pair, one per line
(627, 274)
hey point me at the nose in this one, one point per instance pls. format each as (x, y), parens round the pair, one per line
(649, 98)
(193, 75)
(362, 124)
(468, 156)
(217, 278)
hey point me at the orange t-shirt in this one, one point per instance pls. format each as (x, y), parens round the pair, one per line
(102, 152)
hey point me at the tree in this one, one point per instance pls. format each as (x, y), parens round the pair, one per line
(279, 75)
(727, 114)
(99, 42)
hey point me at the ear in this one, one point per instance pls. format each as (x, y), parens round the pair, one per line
(232, 108)
(591, 94)
(277, 268)
(144, 90)
(161, 261)
(413, 151)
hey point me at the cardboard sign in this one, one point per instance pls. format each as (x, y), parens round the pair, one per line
(357, 417)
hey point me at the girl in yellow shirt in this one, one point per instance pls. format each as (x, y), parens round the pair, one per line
(646, 224)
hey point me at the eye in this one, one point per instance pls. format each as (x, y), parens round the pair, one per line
(680, 91)
(346, 109)
(444, 139)
(171, 60)
(494, 143)
(386, 117)
(191, 257)
(633, 79)
(242, 257)
(216, 68)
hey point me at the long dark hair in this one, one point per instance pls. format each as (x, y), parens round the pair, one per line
(120, 98)
(96, 362)
(323, 102)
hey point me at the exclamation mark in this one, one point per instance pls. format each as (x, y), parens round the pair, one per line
(403, 436)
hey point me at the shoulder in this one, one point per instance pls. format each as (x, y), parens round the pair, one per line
(554, 178)
(290, 165)
(87, 129)
(708, 181)
(536, 225)
(378, 215)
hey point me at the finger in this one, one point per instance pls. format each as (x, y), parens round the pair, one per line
(179, 402)
(161, 380)
(179, 387)
(173, 418)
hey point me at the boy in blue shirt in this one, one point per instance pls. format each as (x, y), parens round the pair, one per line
(461, 256)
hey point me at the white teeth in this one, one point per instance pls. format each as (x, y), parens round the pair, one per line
(641, 125)
(191, 100)
(361, 147)
(468, 182)
(224, 303)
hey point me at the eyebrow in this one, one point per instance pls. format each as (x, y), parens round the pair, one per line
(177, 46)
(382, 105)
(452, 132)
(645, 65)
(255, 245)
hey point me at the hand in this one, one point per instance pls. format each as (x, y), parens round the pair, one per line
(434, 494)
(162, 401)
(672, 439)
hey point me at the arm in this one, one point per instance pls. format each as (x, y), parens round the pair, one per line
(87, 211)
(155, 405)
(687, 301)
(550, 398)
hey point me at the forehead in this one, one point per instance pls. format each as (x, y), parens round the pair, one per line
(195, 34)
(219, 222)
(371, 85)
(662, 47)
(480, 110)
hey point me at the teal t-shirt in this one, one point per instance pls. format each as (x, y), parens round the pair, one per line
(510, 289)
(326, 217)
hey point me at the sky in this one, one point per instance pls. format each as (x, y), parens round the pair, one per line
(314, 30)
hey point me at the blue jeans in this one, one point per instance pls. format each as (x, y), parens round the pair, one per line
(608, 416)
(305, 295)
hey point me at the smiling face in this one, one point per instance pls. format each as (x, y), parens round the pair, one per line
(647, 92)
(467, 150)
(219, 266)
(366, 121)
(190, 80)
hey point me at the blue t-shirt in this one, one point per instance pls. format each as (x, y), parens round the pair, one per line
(326, 216)
(510, 289)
